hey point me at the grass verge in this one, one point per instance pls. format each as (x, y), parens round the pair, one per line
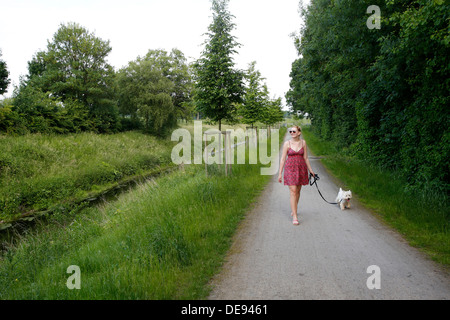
(423, 220)
(38, 172)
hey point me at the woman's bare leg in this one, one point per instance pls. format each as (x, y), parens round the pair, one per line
(294, 198)
(299, 188)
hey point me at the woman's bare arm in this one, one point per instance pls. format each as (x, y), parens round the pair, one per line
(305, 156)
(283, 159)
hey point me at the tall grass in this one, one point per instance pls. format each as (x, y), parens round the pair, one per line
(40, 171)
(423, 219)
(163, 240)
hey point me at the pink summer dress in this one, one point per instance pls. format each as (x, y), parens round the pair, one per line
(295, 169)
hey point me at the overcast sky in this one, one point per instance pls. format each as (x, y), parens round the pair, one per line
(263, 28)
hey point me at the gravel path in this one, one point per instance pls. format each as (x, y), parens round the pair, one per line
(326, 257)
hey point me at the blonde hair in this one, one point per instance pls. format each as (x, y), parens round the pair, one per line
(298, 128)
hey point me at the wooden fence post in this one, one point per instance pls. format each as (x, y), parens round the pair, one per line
(206, 154)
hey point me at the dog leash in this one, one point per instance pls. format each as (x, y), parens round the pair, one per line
(315, 178)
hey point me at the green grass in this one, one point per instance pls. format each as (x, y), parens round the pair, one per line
(163, 240)
(423, 220)
(41, 171)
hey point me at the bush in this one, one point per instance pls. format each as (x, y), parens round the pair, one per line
(379, 94)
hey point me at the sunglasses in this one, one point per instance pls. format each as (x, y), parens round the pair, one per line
(292, 131)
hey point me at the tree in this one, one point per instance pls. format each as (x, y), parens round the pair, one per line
(158, 72)
(4, 76)
(174, 67)
(10, 121)
(335, 50)
(74, 68)
(255, 97)
(413, 71)
(381, 94)
(219, 86)
(144, 91)
(273, 112)
(39, 109)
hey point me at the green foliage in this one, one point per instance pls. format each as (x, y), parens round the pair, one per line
(40, 171)
(73, 71)
(4, 76)
(255, 96)
(273, 112)
(10, 120)
(35, 111)
(219, 86)
(174, 67)
(413, 68)
(155, 88)
(70, 87)
(381, 94)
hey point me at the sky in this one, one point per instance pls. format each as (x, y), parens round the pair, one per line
(263, 28)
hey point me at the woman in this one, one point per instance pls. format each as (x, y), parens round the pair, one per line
(297, 167)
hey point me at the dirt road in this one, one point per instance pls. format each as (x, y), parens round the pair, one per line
(326, 257)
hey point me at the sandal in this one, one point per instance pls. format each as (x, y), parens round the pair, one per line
(295, 222)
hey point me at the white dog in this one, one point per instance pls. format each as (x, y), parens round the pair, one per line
(343, 198)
